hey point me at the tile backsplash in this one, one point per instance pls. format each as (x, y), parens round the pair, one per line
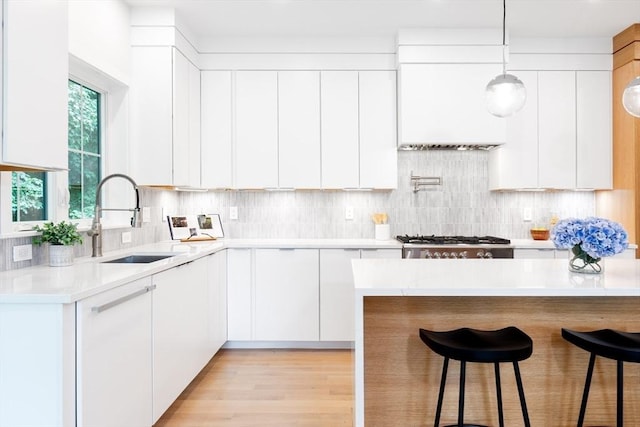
(461, 205)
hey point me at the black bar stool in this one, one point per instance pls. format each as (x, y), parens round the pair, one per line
(617, 345)
(471, 345)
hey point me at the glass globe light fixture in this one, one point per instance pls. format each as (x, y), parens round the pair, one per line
(631, 97)
(505, 95)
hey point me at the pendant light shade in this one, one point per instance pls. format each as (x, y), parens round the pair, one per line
(631, 97)
(505, 95)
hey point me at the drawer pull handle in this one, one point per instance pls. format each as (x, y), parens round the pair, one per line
(111, 304)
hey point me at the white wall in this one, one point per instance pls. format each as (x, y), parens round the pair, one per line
(99, 35)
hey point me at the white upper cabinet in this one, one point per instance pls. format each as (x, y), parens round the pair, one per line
(562, 138)
(378, 146)
(515, 164)
(217, 130)
(165, 115)
(299, 129)
(594, 134)
(340, 130)
(445, 104)
(557, 129)
(256, 117)
(35, 81)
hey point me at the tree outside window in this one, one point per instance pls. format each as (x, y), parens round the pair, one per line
(28, 200)
(84, 149)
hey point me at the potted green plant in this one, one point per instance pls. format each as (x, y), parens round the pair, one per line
(61, 238)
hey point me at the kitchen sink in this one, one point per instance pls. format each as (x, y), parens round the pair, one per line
(138, 259)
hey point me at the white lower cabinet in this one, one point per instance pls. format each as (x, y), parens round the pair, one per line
(113, 377)
(239, 294)
(217, 276)
(180, 331)
(337, 293)
(286, 295)
(337, 297)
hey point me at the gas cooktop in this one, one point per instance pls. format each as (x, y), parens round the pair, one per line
(453, 240)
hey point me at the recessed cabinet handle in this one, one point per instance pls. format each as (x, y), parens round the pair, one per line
(111, 304)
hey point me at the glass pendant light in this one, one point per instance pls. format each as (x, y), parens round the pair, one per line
(505, 94)
(631, 97)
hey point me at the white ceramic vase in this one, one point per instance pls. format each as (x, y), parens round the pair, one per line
(60, 255)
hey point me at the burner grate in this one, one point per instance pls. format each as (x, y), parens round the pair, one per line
(453, 240)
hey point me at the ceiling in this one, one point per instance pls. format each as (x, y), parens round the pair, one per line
(525, 18)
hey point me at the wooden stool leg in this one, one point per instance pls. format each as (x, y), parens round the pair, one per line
(523, 403)
(620, 404)
(443, 382)
(463, 366)
(585, 393)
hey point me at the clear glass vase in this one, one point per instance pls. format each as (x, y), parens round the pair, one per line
(581, 262)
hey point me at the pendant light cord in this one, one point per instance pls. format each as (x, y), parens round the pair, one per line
(504, 39)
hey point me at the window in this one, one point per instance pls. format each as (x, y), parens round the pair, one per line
(28, 196)
(84, 149)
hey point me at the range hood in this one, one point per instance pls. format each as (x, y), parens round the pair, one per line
(442, 147)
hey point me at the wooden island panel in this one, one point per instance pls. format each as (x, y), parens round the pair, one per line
(401, 375)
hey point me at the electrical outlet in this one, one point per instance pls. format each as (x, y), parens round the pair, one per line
(146, 214)
(22, 253)
(527, 215)
(348, 213)
(233, 212)
(126, 237)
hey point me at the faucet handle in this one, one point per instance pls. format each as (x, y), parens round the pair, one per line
(136, 219)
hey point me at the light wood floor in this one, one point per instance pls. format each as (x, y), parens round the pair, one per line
(301, 388)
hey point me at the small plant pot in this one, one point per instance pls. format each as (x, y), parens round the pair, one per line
(60, 255)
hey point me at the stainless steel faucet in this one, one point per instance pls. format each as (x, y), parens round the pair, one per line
(96, 228)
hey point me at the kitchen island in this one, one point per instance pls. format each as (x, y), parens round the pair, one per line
(397, 376)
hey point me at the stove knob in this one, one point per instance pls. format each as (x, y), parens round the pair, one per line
(427, 254)
(462, 254)
(445, 254)
(480, 254)
(453, 255)
(436, 255)
(488, 255)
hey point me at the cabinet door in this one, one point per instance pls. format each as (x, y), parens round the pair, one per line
(36, 72)
(217, 276)
(239, 294)
(549, 253)
(337, 294)
(114, 357)
(381, 253)
(340, 132)
(180, 146)
(299, 129)
(194, 126)
(515, 164)
(378, 146)
(181, 345)
(594, 137)
(445, 104)
(286, 295)
(256, 129)
(151, 124)
(557, 129)
(217, 140)
(186, 121)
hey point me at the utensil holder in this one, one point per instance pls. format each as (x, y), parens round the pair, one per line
(383, 232)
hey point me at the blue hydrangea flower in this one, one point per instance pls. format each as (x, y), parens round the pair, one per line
(596, 237)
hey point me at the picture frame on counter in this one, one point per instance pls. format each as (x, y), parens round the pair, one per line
(195, 227)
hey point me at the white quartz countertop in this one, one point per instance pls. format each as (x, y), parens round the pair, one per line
(492, 277)
(89, 276)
